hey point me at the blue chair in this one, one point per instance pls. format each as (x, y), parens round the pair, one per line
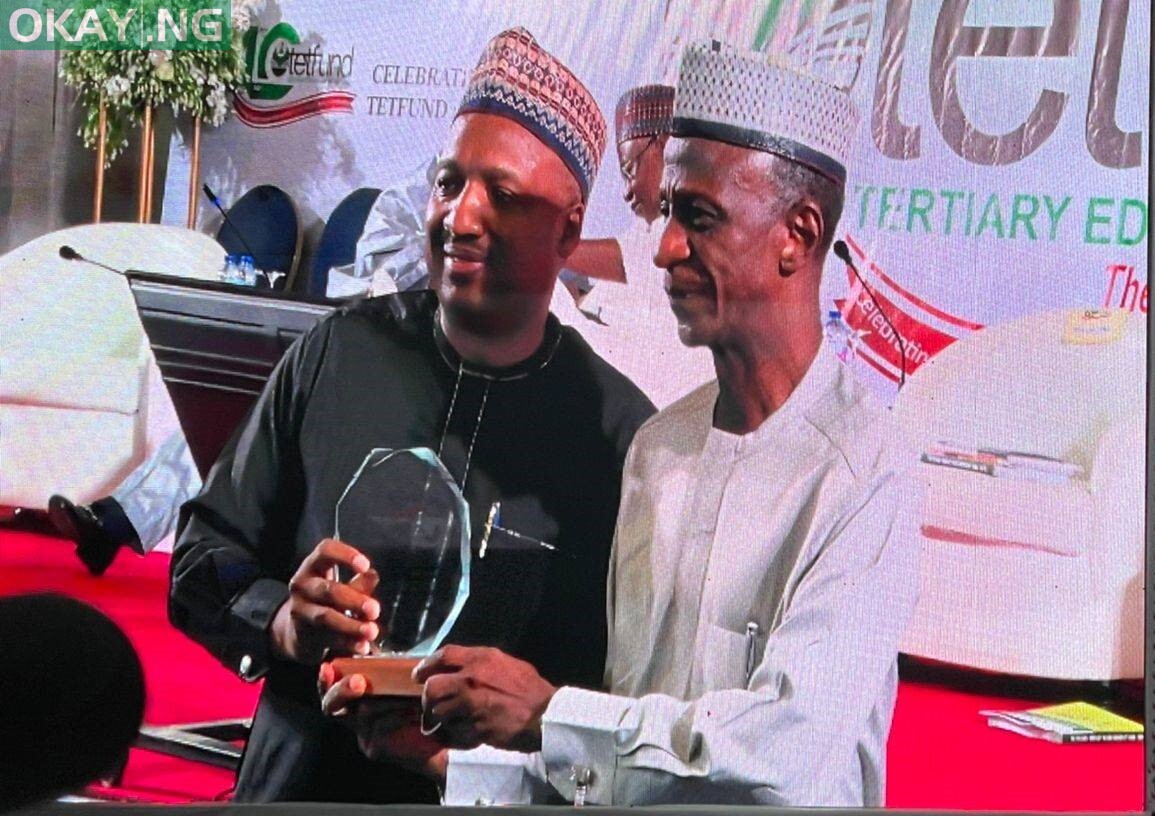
(267, 227)
(338, 244)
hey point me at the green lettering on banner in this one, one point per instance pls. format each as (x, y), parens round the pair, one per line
(1020, 215)
(885, 207)
(1055, 213)
(992, 215)
(1131, 205)
(919, 206)
(951, 196)
(864, 204)
(1094, 218)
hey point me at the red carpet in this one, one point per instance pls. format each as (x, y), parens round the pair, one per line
(183, 683)
(942, 753)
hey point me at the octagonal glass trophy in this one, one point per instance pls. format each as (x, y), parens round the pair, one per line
(405, 512)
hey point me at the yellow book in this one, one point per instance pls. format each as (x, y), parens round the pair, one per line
(1068, 722)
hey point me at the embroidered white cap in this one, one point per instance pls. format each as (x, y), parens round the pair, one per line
(761, 102)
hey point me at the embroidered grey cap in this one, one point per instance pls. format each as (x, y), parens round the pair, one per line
(761, 102)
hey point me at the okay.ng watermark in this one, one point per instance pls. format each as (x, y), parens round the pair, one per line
(114, 24)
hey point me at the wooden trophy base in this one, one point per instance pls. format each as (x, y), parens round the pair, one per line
(386, 676)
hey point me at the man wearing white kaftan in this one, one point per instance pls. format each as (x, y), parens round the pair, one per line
(758, 588)
(760, 584)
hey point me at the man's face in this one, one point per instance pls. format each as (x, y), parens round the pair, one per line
(722, 242)
(503, 215)
(640, 163)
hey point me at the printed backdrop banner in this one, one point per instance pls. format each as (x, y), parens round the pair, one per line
(996, 204)
(1000, 166)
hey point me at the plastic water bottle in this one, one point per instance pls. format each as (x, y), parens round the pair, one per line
(231, 271)
(839, 336)
(248, 272)
(239, 271)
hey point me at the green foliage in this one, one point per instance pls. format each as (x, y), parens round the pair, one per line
(197, 81)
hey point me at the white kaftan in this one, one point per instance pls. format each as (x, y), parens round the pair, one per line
(758, 589)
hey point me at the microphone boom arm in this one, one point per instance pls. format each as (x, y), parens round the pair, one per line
(216, 202)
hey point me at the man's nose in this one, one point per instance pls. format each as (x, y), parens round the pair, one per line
(466, 212)
(673, 248)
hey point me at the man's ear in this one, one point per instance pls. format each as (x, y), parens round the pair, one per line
(804, 230)
(571, 231)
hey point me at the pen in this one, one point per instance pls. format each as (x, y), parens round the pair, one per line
(493, 522)
(751, 641)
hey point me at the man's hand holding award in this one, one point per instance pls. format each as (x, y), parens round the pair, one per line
(401, 560)
(324, 616)
(405, 514)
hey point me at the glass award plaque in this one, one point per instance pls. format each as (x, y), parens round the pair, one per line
(405, 512)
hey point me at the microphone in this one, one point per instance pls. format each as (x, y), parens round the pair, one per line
(843, 252)
(70, 254)
(217, 203)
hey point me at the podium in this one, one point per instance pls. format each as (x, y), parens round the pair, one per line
(216, 345)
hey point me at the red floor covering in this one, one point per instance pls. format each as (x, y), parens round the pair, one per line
(942, 755)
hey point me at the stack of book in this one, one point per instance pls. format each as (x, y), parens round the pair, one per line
(1002, 463)
(1069, 722)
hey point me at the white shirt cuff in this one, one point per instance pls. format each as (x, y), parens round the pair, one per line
(578, 738)
(490, 776)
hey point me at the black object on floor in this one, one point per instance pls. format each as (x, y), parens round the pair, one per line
(94, 546)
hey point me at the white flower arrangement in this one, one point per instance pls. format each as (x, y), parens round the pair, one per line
(199, 81)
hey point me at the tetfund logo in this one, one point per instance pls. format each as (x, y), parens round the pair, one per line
(276, 61)
(114, 24)
(280, 67)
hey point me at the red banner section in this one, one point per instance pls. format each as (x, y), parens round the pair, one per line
(270, 116)
(924, 329)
